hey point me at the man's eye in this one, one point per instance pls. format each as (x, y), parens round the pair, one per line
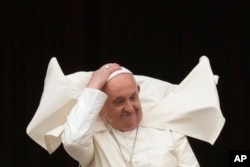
(133, 97)
(118, 102)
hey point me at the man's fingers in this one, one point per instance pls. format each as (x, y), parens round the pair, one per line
(111, 67)
(100, 76)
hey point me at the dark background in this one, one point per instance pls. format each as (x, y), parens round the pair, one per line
(162, 39)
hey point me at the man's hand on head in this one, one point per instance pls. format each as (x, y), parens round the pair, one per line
(101, 75)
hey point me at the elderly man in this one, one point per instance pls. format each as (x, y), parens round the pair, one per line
(113, 118)
(114, 101)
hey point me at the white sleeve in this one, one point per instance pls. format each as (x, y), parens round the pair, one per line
(77, 136)
(183, 152)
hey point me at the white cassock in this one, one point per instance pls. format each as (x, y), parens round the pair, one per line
(189, 109)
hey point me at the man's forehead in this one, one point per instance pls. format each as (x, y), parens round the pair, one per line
(122, 82)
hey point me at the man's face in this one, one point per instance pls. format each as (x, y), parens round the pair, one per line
(122, 108)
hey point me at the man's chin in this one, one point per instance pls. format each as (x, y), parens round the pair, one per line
(130, 126)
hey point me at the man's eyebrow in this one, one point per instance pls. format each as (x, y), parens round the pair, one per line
(120, 97)
(117, 98)
(135, 93)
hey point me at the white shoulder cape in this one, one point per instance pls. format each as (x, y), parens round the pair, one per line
(191, 108)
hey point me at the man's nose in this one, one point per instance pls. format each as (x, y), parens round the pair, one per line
(129, 107)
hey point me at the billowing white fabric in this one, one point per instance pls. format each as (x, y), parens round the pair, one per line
(191, 108)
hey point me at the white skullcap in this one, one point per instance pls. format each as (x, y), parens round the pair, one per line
(122, 70)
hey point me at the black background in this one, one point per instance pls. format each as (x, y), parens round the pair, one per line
(162, 39)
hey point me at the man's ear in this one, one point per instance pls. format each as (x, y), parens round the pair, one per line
(103, 111)
(138, 87)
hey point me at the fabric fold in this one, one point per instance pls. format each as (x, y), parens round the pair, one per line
(59, 95)
(192, 108)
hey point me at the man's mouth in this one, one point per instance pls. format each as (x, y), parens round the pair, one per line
(128, 114)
